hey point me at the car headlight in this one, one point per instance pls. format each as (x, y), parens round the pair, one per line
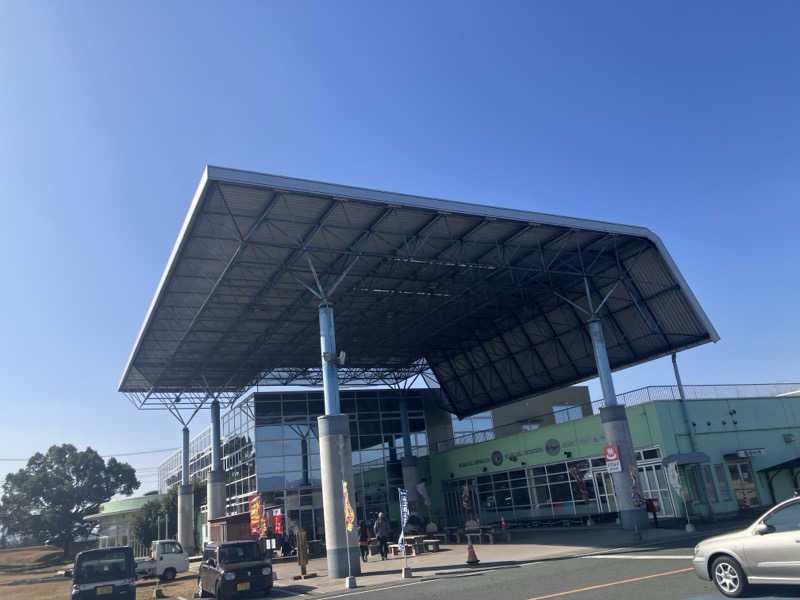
(229, 576)
(266, 570)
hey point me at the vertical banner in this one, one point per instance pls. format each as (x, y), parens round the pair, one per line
(255, 514)
(403, 517)
(277, 521)
(349, 517)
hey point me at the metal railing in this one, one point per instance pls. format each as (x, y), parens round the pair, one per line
(651, 393)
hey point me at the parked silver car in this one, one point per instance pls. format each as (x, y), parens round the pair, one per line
(768, 551)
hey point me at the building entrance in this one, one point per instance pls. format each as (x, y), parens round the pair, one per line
(744, 484)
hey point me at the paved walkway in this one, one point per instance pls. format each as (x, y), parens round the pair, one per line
(527, 546)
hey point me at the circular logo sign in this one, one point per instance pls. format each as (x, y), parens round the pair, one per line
(552, 447)
(611, 453)
(497, 458)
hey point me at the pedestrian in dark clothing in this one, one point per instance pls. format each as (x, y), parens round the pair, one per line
(382, 532)
(363, 540)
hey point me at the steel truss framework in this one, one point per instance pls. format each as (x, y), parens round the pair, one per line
(491, 302)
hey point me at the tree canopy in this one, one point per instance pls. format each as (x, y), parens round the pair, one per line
(49, 498)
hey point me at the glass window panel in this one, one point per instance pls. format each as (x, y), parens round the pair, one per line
(557, 468)
(269, 432)
(785, 519)
(292, 446)
(722, 482)
(292, 463)
(269, 449)
(521, 497)
(651, 454)
(538, 471)
(269, 464)
(348, 405)
(560, 492)
(709, 482)
(316, 408)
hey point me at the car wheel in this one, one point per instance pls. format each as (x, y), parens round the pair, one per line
(729, 577)
(168, 574)
(218, 593)
(201, 593)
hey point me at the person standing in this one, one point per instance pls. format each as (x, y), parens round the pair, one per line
(363, 540)
(382, 532)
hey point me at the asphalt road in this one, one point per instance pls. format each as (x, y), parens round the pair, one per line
(650, 574)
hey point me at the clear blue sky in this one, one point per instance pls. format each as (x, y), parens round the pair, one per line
(682, 117)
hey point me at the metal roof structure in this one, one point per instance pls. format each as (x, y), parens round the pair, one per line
(492, 301)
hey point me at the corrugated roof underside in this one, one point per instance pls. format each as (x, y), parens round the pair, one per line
(481, 299)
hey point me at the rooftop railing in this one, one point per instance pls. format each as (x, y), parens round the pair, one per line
(651, 393)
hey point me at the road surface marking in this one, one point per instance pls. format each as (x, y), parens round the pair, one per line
(644, 556)
(613, 583)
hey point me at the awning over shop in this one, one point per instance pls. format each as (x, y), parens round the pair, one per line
(788, 464)
(687, 458)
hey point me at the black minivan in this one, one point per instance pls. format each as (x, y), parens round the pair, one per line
(104, 573)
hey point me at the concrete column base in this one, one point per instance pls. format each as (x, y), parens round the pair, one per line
(336, 465)
(186, 518)
(215, 486)
(618, 433)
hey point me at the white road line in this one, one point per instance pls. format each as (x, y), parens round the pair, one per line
(643, 556)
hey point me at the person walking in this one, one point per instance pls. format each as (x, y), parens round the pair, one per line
(363, 540)
(382, 532)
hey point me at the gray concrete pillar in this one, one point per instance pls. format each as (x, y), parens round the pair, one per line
(215, 484)
(185, 500)
(618, 433)
(336, 463)
(409, 462)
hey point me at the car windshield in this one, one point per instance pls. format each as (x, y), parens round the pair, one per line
(102, 566)
(239, 553)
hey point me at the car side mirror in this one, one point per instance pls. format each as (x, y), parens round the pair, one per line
(763, 528)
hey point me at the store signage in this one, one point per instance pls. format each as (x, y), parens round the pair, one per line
(278, 521)
(552, 447)
(349, 515)
(745, 452)
(611, 454)
(497, 458)
(255, 514)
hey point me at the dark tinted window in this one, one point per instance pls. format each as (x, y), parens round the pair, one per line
(239, 553)
(785, 519)
(102, 566)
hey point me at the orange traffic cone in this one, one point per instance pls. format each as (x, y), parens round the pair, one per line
(472, 559)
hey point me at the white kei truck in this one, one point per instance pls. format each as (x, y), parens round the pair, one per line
(167, 559)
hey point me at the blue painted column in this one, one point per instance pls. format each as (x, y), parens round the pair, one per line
(336, 460)
(618, 433)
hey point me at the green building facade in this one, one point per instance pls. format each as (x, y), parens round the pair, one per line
(558, 472)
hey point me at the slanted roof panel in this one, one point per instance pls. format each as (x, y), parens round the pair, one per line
(492, 300)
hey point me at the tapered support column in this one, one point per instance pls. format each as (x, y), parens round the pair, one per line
(216, 478)
(618, 433)
(185, 500)
(409, 461)
(336, 460)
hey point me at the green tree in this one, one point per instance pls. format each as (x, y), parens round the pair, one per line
(148, 520)
(49, 498)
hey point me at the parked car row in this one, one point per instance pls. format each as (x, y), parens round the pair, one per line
(228, 570)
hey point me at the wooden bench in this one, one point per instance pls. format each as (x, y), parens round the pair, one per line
(431, 545)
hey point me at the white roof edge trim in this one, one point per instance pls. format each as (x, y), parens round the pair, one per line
(308, 186)
(176, 248)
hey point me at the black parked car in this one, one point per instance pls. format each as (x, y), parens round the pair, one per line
(234, 570)
(104, 573)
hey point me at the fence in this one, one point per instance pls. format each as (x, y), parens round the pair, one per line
(652, 393)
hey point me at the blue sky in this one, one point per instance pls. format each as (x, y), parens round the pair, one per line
(682, 117)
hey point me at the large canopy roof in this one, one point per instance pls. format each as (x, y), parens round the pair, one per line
(493, 301)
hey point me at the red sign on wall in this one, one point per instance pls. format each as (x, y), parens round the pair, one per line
(277, 523)
(611, 454)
